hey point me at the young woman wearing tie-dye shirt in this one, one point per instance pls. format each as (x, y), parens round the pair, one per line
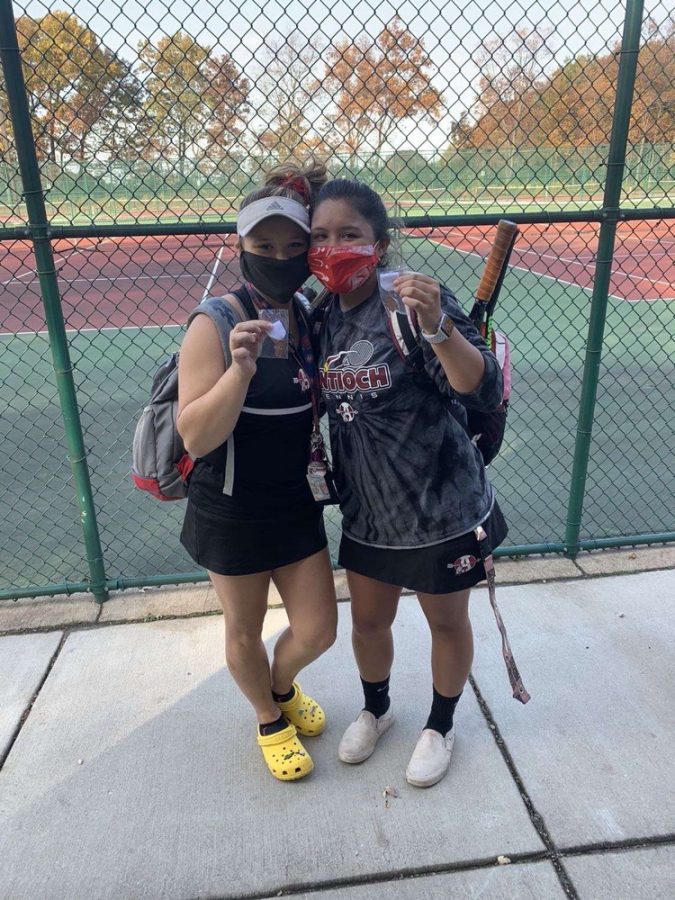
(412, 485)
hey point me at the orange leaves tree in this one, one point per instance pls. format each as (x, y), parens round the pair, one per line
(79, 91)
(375, 85)
(524, 103)
(195, 100)
(512, 71)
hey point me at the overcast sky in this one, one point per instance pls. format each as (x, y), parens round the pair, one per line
(452, 31)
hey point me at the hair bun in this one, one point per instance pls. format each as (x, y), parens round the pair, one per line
(305, 180)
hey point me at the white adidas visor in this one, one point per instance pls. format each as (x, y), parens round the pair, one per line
(256, 212)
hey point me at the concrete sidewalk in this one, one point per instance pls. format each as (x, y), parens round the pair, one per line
(131, 771)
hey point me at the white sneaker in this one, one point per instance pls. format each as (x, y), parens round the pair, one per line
(431, 758)
(359, 740)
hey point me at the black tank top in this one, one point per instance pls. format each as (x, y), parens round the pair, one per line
(262, 467)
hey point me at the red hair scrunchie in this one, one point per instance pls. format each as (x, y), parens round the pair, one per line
(297, 184)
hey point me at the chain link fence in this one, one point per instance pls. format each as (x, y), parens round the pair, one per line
(138, 128)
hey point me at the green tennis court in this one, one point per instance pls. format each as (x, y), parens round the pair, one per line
(545, 318)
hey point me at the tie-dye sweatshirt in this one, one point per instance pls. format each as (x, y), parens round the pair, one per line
(406, 470)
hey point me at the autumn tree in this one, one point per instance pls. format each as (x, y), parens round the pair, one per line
(75, 85)
(653, 112)
(195, 99)
(575, 106)
(227, 101)
(289, 85)
(376, 85)
(176, 88)
(512, 72)
(6, 133)
(103, 112)
(522, 105)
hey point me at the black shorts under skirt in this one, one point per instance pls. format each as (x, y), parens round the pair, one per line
(243, 547)
(445, 568)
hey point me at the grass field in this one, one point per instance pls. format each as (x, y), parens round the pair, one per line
(126, 303)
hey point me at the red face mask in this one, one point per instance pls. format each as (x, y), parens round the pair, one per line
(343, 269)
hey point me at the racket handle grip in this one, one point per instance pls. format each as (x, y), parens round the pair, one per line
(499, 251)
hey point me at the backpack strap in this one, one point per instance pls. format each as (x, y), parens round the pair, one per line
(243, 295)
(404, 330)
(304, 314)
(225, 315)
(318, 315)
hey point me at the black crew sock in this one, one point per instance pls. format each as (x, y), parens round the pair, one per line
(442, 712)
(284, 698)
(273, 727)
(376, 694)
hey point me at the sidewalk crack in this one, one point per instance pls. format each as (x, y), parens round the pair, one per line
(553, 854)
(27, 711)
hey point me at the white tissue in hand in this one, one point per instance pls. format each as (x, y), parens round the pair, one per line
(387, 280)
(277, 332)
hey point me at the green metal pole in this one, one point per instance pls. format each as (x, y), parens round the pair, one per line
(158, 229)
(628, 57)
(46, 271)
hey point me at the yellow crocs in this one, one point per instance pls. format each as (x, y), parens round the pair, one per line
(304, 713)
(285, 756)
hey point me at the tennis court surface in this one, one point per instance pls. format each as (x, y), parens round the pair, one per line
(126, 300)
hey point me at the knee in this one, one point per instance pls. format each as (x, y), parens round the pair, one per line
(451, 629)
(319, 639)
(240, 643)
(370, 626)
(326, 639)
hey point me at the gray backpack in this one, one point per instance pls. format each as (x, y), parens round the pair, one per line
(160, 464)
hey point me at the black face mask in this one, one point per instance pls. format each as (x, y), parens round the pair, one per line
(276, 278)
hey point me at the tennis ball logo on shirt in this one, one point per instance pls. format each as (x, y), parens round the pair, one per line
(348, 371)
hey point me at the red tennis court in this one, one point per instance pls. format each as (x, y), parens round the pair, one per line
(643, 265)
(155, 281)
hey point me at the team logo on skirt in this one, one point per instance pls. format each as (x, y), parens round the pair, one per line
(463, 564)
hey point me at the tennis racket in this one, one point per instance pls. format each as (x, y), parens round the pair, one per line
(493, 274)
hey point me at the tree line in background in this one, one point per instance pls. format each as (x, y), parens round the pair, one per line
(183, 101)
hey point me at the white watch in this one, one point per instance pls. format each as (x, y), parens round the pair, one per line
(442, 333)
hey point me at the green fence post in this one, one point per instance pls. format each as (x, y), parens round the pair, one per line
(628, 56)
(46, 271)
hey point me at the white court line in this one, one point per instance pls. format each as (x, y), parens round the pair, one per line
(213, 274)
(575, 262)
(13, 334)
(587, 265)
(512, 266)
(525, 269)
(656, 240)
(113, 280)
(630, 254)
(17, 277)
(58, 264)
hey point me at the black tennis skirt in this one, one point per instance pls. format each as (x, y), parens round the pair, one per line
(445, 568)
(231, 538)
